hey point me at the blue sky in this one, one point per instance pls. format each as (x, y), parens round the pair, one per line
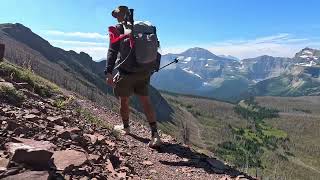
(242, 28)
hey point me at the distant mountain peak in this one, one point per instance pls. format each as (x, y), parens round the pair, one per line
(229, 57)
(308, 54)
(16, 26)
(198, 52)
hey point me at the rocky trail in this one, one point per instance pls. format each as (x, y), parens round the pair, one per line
(68, 137)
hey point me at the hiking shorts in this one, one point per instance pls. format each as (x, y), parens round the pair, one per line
(128, 84)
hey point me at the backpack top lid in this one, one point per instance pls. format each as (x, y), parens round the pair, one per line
(143, 22)
(144, 27)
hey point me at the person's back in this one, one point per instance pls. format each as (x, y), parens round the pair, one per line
(132, 77)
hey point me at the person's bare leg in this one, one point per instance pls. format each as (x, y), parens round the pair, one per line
(124, 111)
(150, 114)
(148, 108)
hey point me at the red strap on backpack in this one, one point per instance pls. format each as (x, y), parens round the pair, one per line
(115, 36)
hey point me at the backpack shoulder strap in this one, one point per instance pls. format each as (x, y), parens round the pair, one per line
(120, 28)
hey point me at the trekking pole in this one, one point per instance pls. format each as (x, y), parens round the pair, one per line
(176, 60)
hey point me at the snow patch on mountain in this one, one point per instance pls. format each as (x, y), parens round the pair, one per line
(191, 72)
(188, 59)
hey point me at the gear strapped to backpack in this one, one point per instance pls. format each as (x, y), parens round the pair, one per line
(141, 42)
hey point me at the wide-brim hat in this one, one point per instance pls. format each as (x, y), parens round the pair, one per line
(120, 11)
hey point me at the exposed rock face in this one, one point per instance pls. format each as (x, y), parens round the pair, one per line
(265, 67)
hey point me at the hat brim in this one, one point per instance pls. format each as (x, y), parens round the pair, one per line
(115, 13)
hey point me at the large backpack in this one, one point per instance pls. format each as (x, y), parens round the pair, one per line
(146, 46)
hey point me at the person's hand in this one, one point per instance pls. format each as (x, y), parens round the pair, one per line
(109, 80)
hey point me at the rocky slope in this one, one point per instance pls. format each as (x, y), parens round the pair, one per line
(60, 135)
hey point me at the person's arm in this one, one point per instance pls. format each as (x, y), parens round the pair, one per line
(113, 50)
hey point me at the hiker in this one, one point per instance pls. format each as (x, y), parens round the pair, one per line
(132, 77)
(2, 48)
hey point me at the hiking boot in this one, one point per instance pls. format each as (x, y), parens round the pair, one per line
(155, 141)
(122, 130)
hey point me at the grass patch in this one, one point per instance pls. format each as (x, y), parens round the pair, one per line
(62, 102)
(11, 95)
(38, 85)
(90, 118)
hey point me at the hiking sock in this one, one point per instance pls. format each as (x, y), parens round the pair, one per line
(154, 129)
(125, 123)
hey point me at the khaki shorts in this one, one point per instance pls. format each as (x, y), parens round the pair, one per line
(126, 85)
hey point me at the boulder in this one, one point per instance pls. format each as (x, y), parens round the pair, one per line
(68, 158)
(31, 152)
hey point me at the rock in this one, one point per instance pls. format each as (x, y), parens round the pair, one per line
(6, 85)
(58, 128)
(68, 133)
(35, 111)
(30, 175)
(122, 175)
(147, 163)
(153, 171)
(110, 143)
(57, 119)
(124, 169)
(30, 117)
(11, 125)
(93, 157)
(93, 138)
(3, 164)
(99, 137)
(67, 158)
(86, 178)
(21, 130)
(109, 167)
(35, 153)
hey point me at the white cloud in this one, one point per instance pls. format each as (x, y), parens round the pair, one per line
(282, 45)
(88, 35)
(77, 43)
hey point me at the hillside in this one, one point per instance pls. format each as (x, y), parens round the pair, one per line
(280, 133)
(299, 81)
(50, 133)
